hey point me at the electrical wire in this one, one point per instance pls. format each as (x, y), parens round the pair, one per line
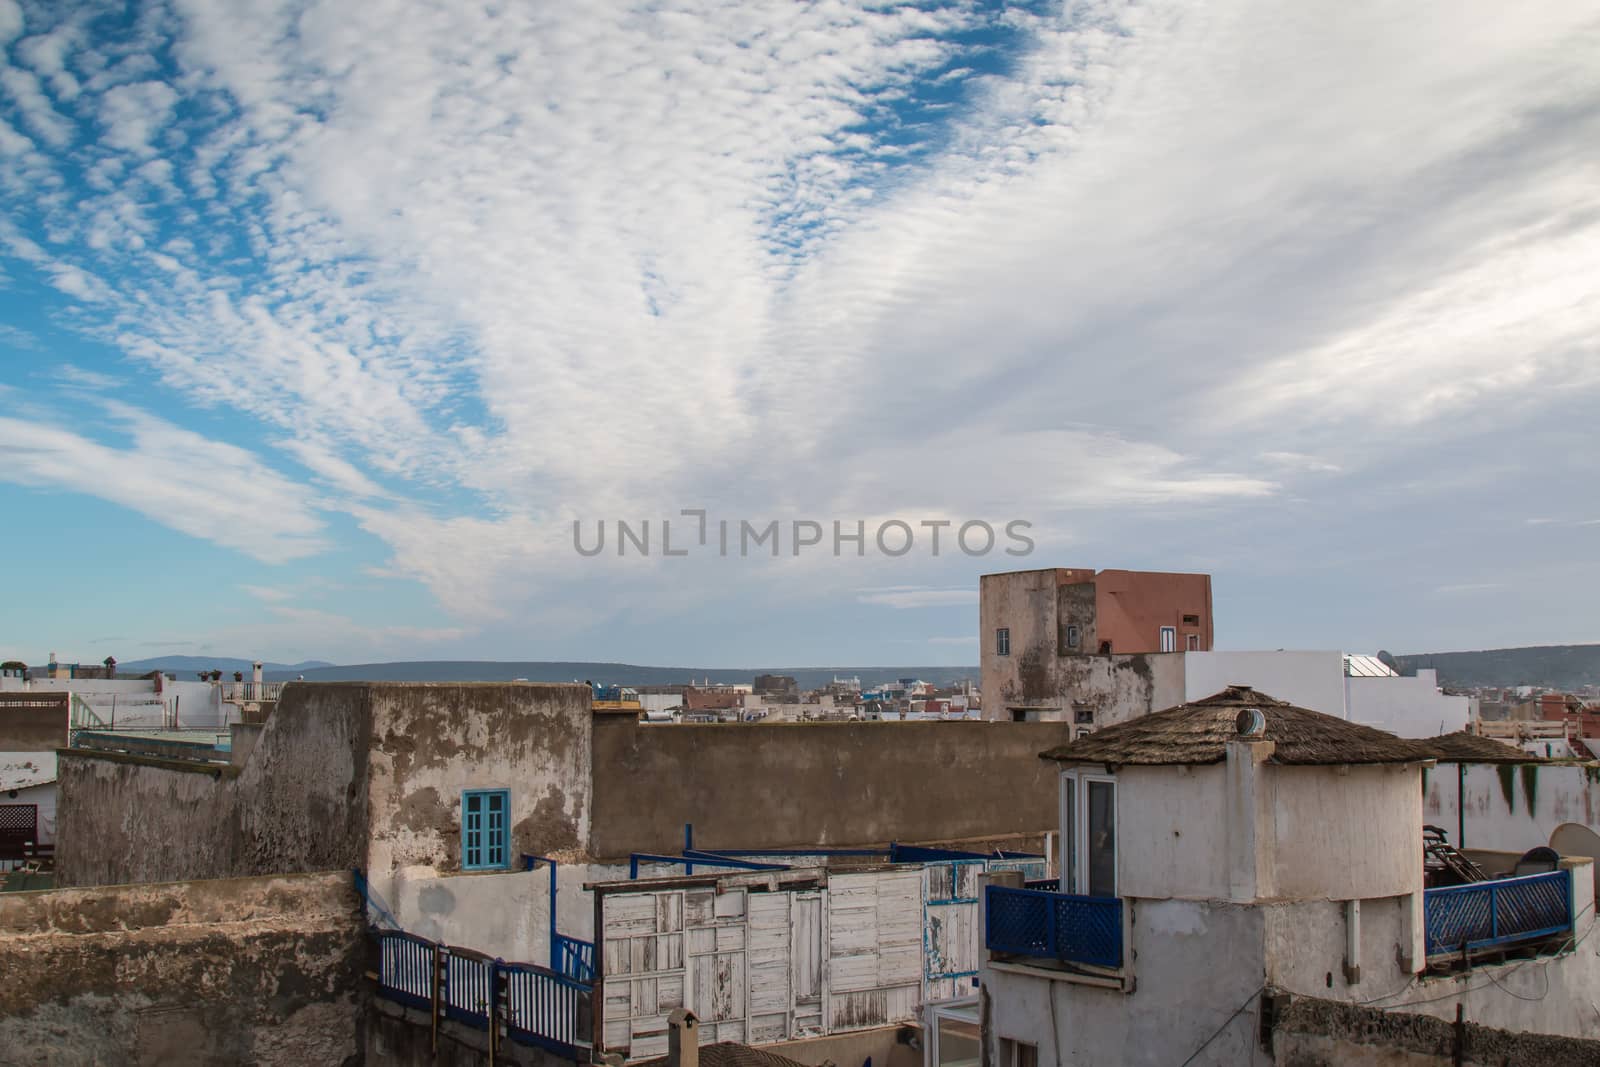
(1218, 1031)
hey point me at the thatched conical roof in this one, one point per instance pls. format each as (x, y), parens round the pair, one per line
(1462, 747)
(1197, 732)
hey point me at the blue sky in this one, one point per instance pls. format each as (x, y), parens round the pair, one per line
(323, 323)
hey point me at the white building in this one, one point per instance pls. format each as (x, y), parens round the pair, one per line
(1220, 854)
(1354, 687)
(27, 796)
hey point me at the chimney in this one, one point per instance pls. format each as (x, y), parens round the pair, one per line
(683, 1039)
(255, 678)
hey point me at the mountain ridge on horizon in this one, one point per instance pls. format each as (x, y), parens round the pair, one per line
(1555, 666)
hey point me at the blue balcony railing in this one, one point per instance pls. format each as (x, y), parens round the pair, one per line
(574, 958)
(1503, 912)
(1038, 924)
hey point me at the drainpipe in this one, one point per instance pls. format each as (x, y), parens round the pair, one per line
(1461, 805)
(1352, 942)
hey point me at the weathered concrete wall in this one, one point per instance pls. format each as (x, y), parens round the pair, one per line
(342, 775)
(1322, 1033)
(294, 806)
(1344, 833)
(32, 722)
(259, 970)
(1195, 965)
(431, 742)
(818, 784)
(1038, 675)
(503, 913)
(1513, 808)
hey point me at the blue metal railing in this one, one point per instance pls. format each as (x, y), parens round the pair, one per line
(468, 987)
(1502, 912)
(1054, 926)
(574, 958)
(406, 966)
(538, 1006)
(543, 1008)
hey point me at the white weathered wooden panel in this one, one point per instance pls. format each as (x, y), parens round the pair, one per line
(702, 941)
(669, 912)
(717, 993)
(618, 1033)
(852, 974)
(805, 973)
(729, 905)
(769, 1029)
(630, 913)
(730, 938)
(669, 993)
(900, 1004)
(699, 906)
(669, 952)
(618, 998)
(857, 1011)
(641, 955)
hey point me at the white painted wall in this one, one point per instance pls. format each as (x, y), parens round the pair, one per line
(1312, 680)
(1410, 707)
(1172, 832)
(1321, 832)
(1195, 965)
(501, 913)
(1496, 797)
(1344, 833)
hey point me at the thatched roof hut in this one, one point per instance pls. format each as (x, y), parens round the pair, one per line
(1198, 732)
(1462, 747)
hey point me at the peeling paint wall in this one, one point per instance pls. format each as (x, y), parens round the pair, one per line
(432, 741)
(810, 785)
(258, 970)
(343, 775)
(1042, 672)
(293, 807)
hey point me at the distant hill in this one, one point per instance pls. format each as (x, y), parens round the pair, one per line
(607, 673)
(1552, 666)
(182, 665)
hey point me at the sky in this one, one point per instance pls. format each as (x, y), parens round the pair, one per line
(323, 324)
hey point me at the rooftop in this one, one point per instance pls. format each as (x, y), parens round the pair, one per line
(1198, 732)
(1462, 747)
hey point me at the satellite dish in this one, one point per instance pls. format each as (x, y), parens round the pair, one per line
(1250, 723)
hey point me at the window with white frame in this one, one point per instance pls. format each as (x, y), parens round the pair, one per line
(1169, 639)
(1088, 834)
(1002, 641)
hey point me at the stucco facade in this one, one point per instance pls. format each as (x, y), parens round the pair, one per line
(1251, 876)
(1042, 632)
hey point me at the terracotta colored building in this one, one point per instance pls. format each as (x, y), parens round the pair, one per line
(1071, 642)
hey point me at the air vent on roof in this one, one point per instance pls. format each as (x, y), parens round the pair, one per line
(1250, 723)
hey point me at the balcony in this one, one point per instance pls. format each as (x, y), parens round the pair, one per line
(1465, 919)
(1053, 929)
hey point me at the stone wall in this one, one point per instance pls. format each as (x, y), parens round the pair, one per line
(1323, 1033)
(343, 775)
(255, 970)
(294, 806)
(807, 785)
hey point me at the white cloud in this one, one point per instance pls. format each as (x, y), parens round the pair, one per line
(271, 594)
(201, 487)
(482, 270)
(917, 597)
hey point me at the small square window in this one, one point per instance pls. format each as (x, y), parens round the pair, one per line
(485, 830)
(1002, 641)
(1194, 642)
(1191, 620)
(1082, 715)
